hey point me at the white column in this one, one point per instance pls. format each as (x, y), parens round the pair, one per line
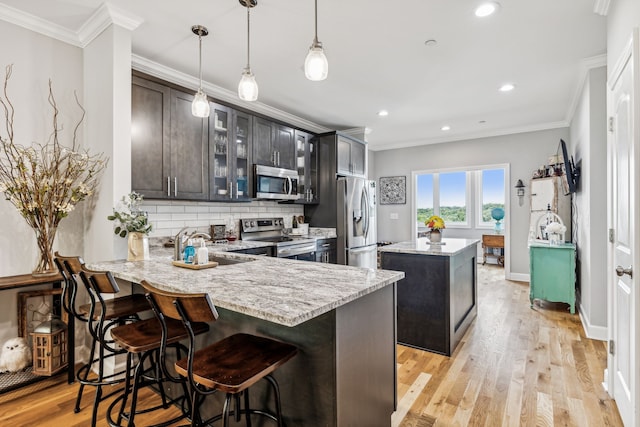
(107, 83)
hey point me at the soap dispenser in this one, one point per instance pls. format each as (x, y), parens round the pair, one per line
(203, 253)
(189, 252)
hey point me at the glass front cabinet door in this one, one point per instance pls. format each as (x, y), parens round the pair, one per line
(229, 148)
(307, 167)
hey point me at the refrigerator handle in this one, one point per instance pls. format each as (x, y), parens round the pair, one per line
(364, 199)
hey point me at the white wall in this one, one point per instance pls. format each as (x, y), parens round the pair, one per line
(36, 59)
(524, 152)
(588, 144)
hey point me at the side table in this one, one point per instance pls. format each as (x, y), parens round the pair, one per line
(553, 273)
(490, 242)
(27, 280)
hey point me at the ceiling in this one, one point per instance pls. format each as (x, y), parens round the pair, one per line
(378, 59)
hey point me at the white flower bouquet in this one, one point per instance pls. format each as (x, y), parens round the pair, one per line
(555, 227)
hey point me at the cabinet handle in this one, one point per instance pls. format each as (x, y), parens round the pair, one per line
(620, 271)
(278, 154)
(230, 190)
(273, 158)
(168, 186)
(326, 245)
(237, 196)
(175, 186)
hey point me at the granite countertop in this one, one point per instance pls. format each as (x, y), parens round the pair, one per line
(282, 291)
(422, 246)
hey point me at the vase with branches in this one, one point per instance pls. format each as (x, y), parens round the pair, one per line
(45, 182)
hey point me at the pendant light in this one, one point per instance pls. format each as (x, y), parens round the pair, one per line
(248, 87)
(316, 66)
(200, 104)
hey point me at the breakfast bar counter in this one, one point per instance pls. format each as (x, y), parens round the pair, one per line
(342, 319)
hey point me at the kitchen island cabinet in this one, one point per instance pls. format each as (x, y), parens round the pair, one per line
(437, 299)
(341, 318)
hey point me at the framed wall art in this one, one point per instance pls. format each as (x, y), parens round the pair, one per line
(393, 190)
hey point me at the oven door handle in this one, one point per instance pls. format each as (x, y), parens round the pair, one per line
(282, 252)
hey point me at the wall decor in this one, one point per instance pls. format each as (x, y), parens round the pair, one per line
(393, 190)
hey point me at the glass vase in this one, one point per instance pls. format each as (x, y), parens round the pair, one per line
(44, 262)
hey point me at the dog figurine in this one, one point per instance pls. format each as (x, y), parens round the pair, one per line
(16, 355)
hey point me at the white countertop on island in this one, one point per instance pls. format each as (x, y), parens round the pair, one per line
(282, 291)
(422, 246)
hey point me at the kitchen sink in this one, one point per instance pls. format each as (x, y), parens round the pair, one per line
(227, 261)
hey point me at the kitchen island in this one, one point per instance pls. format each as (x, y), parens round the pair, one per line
(437, 299)
(342, 319)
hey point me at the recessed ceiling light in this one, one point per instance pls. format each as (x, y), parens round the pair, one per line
(482, 122)
(507, 87)
(383, 113)
(445, 128)
(431, 43)
(486, 9)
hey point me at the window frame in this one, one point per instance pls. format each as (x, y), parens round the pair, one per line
(472, 197)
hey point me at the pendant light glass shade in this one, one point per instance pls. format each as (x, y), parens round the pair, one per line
(200, 104)
(316, 66)
(248, 87)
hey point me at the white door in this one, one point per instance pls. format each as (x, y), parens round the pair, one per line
(623, 218)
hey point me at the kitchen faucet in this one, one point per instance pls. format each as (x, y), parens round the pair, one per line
(177, 245)
(178, 241)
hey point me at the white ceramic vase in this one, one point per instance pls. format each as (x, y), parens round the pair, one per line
(138, 246)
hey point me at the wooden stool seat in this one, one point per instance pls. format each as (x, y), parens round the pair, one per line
(237, 362)
(230, 365)
(118, 307)
(145, 335)
(144, 338)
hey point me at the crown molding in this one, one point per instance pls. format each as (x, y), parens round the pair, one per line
(163, 72)
(601, 7)
(38, 25)
(586, 65)
(473, 135)
(107, 14)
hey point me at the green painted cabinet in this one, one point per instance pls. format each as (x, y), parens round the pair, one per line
(553, 273)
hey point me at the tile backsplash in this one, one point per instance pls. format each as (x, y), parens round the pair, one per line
(168, 217)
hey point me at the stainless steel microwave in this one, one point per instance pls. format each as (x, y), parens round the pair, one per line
(275, 183)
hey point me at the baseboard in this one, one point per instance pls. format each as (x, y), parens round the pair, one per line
(519, 277)
(600, 333)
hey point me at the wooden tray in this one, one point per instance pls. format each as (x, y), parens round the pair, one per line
(183, 264)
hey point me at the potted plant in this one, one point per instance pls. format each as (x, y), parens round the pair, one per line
(436, 225)
(132, 222)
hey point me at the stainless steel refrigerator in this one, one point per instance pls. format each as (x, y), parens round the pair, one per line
(356, 222)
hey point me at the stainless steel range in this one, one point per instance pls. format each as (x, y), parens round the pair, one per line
(271, 230)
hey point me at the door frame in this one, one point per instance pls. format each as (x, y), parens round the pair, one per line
(631, 52)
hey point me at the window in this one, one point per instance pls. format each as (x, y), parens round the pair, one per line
(424, 197)
(491, 194)
(463, 198)
(453, 198)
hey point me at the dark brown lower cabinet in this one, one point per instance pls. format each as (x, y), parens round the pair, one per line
(437, 299)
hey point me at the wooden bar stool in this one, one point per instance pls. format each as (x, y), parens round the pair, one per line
(231, 365)
(102, 316)
(143, 339)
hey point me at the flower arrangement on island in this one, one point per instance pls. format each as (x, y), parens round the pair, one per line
(128, 217)
(45, 182)
(435, 223)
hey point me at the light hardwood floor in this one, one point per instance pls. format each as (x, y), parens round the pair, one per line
(515, 366)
